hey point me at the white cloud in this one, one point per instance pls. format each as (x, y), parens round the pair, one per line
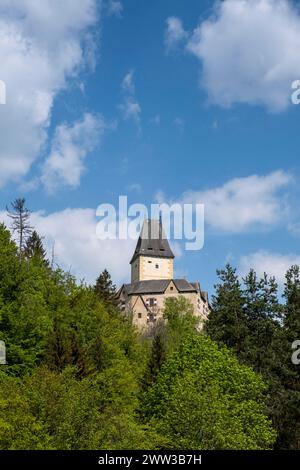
(294, 228)
(274, 264)
(131, 110)
(250, 52)
(114, 7)
(130, 107)
(42, 46)
(174, 34)
(135, 187)
(72, 232)
(128, 82)
(155, 120)
(243, 203)
(70, 146)
(72, 235)
(179, 123)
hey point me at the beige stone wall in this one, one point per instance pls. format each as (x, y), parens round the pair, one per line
(140, 311)
(146, 268)
(135, 270)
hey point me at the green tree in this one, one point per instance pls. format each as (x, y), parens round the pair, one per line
(20, 429)
(104, 288)
(34, 248)
(20, 216)
(290, 372)
(204, 399)
(263, 313)
(56, 410)
(227, 323)
(158, 354)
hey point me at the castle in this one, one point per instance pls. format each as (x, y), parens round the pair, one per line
(152, 280)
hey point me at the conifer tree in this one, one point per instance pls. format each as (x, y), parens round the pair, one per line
(262, 314)
(157, 357)
(290, 422)
(34, 247)
(104, 288)
(20, 216)
(292, 296)
(227, 324)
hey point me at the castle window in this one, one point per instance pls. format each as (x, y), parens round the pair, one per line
(149, 261)
(157, 266)
(171, 288)
(139, 315)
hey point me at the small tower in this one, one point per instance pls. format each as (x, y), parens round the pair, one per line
(153, 257)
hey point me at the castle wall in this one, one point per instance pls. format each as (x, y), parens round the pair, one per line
(141, 318)
(146, 268)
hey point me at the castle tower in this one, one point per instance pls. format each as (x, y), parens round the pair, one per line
(152, 280)
(153, 257)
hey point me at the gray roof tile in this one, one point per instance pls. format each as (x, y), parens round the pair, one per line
(158, 286)
(152, 241)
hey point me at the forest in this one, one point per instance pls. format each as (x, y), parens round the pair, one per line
(80, 376)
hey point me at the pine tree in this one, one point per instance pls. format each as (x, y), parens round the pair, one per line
(34, 248)
(290, 422)
(262, 313)
(104, 288)
(20, 216)
(227, 323)
(292, 296)
(157, 357)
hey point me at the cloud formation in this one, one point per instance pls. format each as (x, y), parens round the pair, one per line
(42, 46)
(114, 7)
(174, 34)
(274, 264)
(71, 234)
(70, 146)
(130, 107)
(244, 203)
(249, 52)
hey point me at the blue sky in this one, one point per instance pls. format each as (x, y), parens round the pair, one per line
(106, 98)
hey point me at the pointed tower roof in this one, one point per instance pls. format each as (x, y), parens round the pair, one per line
(152, 241)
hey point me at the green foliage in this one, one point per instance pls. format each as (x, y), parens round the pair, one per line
(204, 399)
(79, 376)
(158, 353)
(105, 289)
(180, 320)
(261, 333)
(51, 410)
(34, 248)
(20, 217)
(289, 420)
(227, 323)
